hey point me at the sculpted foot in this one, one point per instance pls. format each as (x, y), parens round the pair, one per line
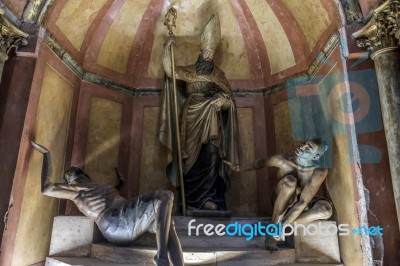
(270, 244)
(209, 205)
(160, 261)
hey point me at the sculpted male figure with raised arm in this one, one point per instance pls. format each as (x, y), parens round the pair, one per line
(300, 178)
(121, 221)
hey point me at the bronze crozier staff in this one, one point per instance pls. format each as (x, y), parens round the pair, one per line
(170, 19)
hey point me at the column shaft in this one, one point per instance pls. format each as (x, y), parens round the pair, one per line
(388, 74)
(3, 59)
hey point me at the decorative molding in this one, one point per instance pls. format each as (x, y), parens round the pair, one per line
(352, 11)
(323, 55)
(63, 55)
(32, 10)
(110, 84)
(382, 29)
(43, 12)
(11, 36)
(240, 92)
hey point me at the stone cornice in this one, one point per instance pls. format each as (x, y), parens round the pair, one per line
(382, 29)
(239, 92)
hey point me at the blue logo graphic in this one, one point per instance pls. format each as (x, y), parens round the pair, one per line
(369, 231)
(334, 105)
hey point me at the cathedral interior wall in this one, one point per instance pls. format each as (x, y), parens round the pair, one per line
(99, 129)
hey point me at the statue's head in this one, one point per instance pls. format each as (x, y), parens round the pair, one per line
(75, 175)
(310, 152)
(210, 38)
(207, 55)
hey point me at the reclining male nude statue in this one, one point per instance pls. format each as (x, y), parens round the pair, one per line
(295, 197)
(121, 221)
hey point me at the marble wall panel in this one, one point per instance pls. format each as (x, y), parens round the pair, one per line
(154, 155)
(76, 26)
(242, 197)
(51, 130)
(312, 18)
(103, 140)
(279, 49)
(116, 47)
(283, 131)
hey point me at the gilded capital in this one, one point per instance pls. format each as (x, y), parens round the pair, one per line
(382, 31)
(11, 36)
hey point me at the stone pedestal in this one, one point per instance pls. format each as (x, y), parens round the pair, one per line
(73, 236)
(317, 248)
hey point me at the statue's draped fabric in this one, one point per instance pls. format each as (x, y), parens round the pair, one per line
(208, 131)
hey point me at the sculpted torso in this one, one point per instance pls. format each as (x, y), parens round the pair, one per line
(96, 199)
(287, 167)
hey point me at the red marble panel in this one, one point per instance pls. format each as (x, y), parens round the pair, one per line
(261, 50)
(251, 49)
(382, 209)
(139, 58)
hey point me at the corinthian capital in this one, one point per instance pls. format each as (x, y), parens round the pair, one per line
(11, 36)
(383, 28)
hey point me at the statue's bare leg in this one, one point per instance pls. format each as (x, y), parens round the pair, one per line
(174, 247)
(307, 194)
(286, 190)
(322, 210)
(163, 208)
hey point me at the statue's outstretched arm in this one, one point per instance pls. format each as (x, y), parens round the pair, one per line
(57, 190)
(273, 161)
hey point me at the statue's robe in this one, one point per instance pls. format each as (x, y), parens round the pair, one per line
(209, 135)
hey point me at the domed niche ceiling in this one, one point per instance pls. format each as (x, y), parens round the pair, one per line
(263, 41)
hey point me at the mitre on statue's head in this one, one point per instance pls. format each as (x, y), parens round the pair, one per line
(211, 34)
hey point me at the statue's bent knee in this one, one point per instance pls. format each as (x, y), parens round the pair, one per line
(289, 181)
(325, 208)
